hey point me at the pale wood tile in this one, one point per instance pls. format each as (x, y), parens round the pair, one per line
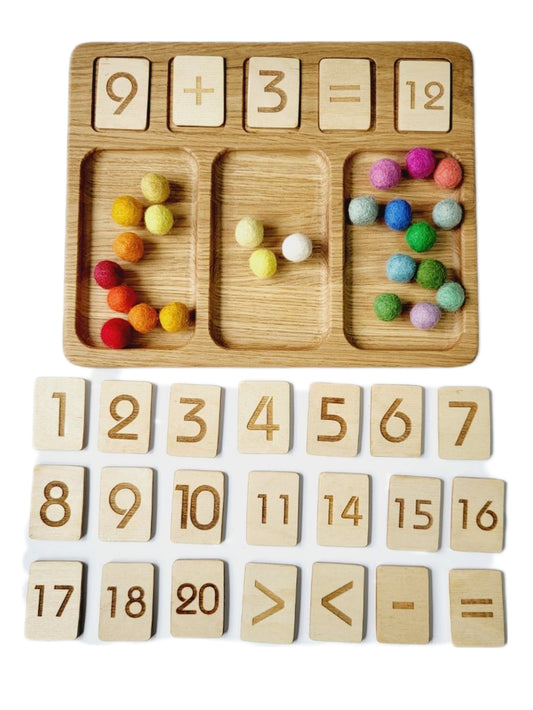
(333, 419)
(337, 602)
(126, 504)
(197, 91)
(54, 599)
(345, 94)
(413, 521)
(478, 514)
(273, 92)
(402, 604)
(465, 423)
(126, 601)
(59, 413)
(396, 420)
(273, 511)
(343, 515)
(477, 611)
(57, 503)
(264, 417)
(423, 92)
(125, 417)
(198, 598)
(122, 88)
(198, 507)
(194, 420)
(269, 603)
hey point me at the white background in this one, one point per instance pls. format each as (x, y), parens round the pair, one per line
(36, 42)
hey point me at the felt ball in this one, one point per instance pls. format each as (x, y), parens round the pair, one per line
(401, 268)
(398, 214)
(249, 232)
(363, 210)
(129, 247)
(108, 274)
(385, 173)
(121, 298)
(143, 317)
(158, 219)
(448, 173)
(174, 317)
(421, 236)
(450, 296)
(447, 214)
(263, 263)
(297, 247)
(387, 306)
(431, 274)
(155, 187)
(116, 333)
(127, 211)
(424, 316)
(420, 162)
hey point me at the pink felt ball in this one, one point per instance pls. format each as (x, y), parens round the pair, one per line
(108, 274)
(420, 163)
(385, 173)
(424, 316)
(116, 333)
(448, 173)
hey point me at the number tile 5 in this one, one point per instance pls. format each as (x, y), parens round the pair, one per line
(333, 419)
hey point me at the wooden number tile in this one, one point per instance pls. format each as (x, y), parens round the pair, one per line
(197, 606)
(396, 420)
(333, 419)
(197, 91)
(272, 516)
(125, 417)
(345, 95)
(54, 598)
(57, 503)
(126, 601)
(477, 612)
(337, 602)
(126, 504)
(414, 513)
(464, 423)
(423, 94)
(402, 604)
(478, 514)
(121, 96)
(59, 413)
(198, 507)
(269, 603)
(343, 509)
(264, 417)
(193, 420)
(273, 94)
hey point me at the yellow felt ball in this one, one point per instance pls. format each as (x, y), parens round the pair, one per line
(155, 187)
(263, 263)
(174, 317)
(249, 232)
(158, 219)
(127, 211)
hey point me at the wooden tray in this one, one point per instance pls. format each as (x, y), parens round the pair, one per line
(295, 179)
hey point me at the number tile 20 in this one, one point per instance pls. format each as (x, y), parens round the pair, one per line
(198, 598)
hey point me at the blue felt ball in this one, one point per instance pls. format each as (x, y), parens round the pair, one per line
(401, 268)
(398, 214)
(363, 210)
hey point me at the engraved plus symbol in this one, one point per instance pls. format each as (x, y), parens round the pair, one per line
(198, 90)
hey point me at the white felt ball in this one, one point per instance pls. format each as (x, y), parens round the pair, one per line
(297, 247)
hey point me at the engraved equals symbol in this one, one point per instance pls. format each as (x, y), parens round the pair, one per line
(345, 87)
(477, 614)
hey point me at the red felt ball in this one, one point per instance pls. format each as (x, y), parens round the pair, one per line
(448, 173)
(116, 333)
(108, 274)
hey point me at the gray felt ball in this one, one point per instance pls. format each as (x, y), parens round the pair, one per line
(363, 210)
(447, 214)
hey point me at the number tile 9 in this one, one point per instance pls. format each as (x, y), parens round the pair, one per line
(121, 94)
(126, 504)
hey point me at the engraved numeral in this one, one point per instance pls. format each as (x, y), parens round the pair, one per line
(350, 511)
(484, 511)
(391, 412)
(132, 600)
(264, 507)
(62, 397)
(189, 506)
(128, 513)
(433, 90)
(68, 588)
(123, 101)
(190, 416)
(267, 404)
(60, 500)
(472, 407)
(116, 431)
(326, 416)
(418, 511)
(201, 595)
(272, 86)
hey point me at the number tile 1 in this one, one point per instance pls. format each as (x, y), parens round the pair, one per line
(402, 604)
(126, 601)
(125, 417)
(464, 423)
(477, 612)
(337, 602)
(59, 413)
(198, 599)
(126, 504)
(478, 514)
(396, 420)
(57, 502)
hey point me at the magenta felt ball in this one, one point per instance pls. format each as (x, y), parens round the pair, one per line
(424, 316)
(385, 173)
(420, 163)
(108, 274)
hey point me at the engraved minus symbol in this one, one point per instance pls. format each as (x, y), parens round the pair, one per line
(477, 614)
(198, 90)
(403, 605)
(345, 87)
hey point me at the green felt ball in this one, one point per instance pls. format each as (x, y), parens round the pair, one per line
(431, 274)
(387, 306)
(447, 214)
(450, 296)
(421, 236)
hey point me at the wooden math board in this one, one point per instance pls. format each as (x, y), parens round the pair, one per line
(286, 133)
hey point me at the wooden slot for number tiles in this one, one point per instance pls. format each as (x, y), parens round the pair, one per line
(285, 133)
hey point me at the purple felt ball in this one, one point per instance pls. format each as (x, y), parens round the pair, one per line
(385, 173)
(420, 163)
(424, 316)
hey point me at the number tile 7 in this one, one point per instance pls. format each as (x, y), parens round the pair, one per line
(464, 423)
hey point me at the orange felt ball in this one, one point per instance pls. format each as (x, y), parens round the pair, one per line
(121, 298)
(143, 317)
(129, 247)
(448, 173)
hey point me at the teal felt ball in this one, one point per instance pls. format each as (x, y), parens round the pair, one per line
(431, 274)
(363, 210)
(401, 268)
(421, 236)
(450, 296)
(447, 214)
(387, 306)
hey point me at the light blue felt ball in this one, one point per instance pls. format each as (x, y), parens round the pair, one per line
(363, 210)
(398, 214)
(401, 268)
(450, 296)
(447, 214)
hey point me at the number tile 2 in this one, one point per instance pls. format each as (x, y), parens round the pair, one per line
(273, 510)
(126, 601)
(396, 420)
(125, 417)
(194, 420)
(478, 511)
(343, 509)
(198, 507)
(57, 502)
(333, 422)
(414, 513)
(59, 413)
(264, 417)
(126, 504)
(464, 423)
(198, 599)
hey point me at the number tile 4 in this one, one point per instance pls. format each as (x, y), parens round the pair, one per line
(264, 417)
